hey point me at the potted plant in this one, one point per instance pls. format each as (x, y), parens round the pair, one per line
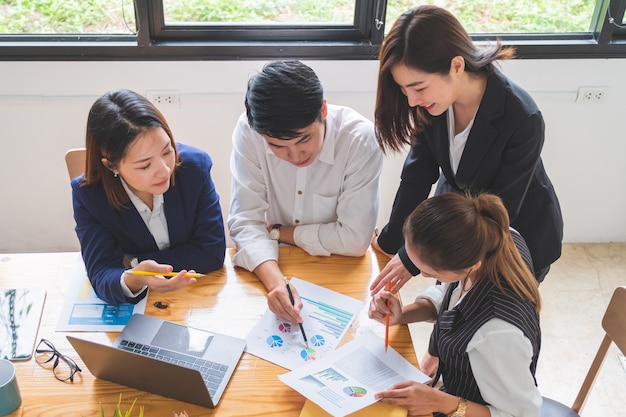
(119, 413)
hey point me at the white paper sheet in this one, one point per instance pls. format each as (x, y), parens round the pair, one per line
(346, 380)
(84, 311)
(326, 316)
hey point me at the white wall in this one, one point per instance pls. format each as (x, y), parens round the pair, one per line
(43, 108)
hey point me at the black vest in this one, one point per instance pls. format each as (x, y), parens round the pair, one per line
(456, 327)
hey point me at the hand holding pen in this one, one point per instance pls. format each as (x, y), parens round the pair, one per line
(386, 308)
(157, 277)
(292, 303)
(164, 274)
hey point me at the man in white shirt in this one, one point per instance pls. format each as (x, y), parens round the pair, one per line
(305, 173)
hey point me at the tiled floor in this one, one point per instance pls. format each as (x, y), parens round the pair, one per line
(575, 295)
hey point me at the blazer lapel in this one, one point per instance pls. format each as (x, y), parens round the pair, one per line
(483, 134)
(173, 206)
(441, 145)
(136, 228)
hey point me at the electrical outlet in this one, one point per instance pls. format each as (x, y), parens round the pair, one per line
(164, 98)
(591, 94)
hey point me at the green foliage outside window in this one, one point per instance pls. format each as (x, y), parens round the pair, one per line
(117, 16)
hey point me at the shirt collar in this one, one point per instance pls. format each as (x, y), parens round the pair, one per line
(157, 200)
(327, 154)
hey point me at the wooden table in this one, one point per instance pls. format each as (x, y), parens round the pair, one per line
(228, 301)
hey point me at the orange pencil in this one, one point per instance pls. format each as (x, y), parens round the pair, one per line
(387, 319)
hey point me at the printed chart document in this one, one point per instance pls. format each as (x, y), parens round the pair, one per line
(346, 381)
(326, 316)
(84, 311)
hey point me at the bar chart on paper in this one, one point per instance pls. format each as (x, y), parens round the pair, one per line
(331, 320)
(326, 317)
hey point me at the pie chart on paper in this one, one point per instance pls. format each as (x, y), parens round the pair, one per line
(318, 340)
(274, 341)
(308, 354)
(355, 391)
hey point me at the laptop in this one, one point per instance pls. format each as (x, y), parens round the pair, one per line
(165, 358)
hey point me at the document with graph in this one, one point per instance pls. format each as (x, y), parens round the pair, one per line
(347, 380)
(84, 311)
(326, 316)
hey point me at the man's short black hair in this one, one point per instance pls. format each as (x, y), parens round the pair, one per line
(283, 98)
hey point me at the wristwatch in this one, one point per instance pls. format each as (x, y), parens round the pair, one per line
(130, 261)
(275, 232)
(460, 410)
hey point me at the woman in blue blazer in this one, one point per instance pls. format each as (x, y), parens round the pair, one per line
(470, 130)
(144, 202)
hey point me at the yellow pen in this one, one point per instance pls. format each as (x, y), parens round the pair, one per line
(164, 274)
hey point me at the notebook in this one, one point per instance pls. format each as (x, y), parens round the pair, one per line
(165, 358)
(20, 314)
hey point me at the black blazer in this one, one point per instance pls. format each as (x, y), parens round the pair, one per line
(502, 156)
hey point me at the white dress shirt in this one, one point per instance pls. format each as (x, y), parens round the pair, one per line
(155, 221)
(333, 202)
(500, 357)
(457, 142)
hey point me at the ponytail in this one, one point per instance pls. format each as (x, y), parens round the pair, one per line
(454, 232)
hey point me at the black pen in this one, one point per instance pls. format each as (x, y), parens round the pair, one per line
(293, 302)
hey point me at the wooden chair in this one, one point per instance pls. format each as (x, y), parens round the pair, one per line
(614, 324)
(75, 161)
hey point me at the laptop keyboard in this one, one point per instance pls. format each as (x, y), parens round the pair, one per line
(212, 372)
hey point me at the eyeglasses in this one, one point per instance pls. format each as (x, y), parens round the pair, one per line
(64, 368)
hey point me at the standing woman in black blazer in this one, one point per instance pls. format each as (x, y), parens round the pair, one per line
(470, 129)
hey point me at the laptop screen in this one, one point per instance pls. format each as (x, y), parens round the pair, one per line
(182, 339)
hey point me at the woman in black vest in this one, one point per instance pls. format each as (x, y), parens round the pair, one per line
(486, 312)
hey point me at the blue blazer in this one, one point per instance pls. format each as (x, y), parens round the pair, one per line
(194, 222)
(502, 156)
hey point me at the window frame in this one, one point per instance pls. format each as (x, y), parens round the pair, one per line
(361, 41)
(359, 31)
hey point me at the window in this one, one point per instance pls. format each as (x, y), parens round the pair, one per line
(509, 17)
(55, 17)
(305, 12)
(304, 29)
(264, 20)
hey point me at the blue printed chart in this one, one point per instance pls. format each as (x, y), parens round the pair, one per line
(318, 340)
(332, 320)
(330, 374)
(274, 341)
(84, 311)
(326, 317)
